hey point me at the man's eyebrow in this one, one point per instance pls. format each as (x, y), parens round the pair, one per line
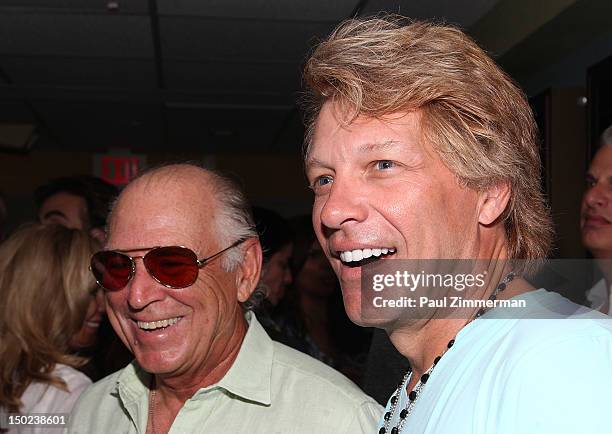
(378, 146)
(362, 149)
(314, 162)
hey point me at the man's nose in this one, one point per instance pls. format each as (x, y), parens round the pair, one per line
(143, 289)
(597, 196)
(344, 204)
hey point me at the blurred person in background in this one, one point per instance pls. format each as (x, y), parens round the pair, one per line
(596, 221)
(276, 241)
(315, 320)
(83, 202)
(46, 295)
(80, 202)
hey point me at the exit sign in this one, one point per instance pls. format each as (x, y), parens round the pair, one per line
(118, 168)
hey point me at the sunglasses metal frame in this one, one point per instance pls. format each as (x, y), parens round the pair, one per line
(199, 263)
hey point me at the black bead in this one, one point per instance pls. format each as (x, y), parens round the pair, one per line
(388, 415)
(382, 430)
(403, 414)
(393, 400)
(412, 395)
(437, 359)
(394, 430)
(451, 343)
(501, 286)
(424, 378)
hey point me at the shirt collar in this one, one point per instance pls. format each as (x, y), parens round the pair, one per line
(249, 377)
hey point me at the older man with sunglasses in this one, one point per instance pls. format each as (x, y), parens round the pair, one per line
(181, 256)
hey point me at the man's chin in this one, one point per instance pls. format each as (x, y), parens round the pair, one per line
(363, 319)
(156, 363)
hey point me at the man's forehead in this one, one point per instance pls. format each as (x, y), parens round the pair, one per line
(165, 214)
(602, 160)
(394, 132)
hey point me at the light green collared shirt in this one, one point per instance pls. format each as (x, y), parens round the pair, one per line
(270, 388)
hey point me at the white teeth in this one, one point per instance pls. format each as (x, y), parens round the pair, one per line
(151, 325)
(359, 254)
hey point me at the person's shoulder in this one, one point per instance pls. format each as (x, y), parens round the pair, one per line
(74, 378)
(296, 366)
(549, 359)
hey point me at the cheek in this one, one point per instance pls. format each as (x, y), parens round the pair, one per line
(114, 303)
(317, 206)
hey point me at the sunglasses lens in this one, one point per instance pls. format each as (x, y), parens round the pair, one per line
(176, 267)
(111, 269)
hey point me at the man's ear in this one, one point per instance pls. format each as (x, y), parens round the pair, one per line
(249, 270)
(494, 201)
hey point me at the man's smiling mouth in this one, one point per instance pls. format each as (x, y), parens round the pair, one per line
(161, 324)
(358, 257)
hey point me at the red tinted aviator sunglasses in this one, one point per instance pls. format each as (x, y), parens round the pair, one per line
(172, 266)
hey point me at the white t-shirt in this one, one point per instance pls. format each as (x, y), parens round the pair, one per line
(43, 398)
(527, 376)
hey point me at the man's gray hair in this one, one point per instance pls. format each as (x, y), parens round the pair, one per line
(606, 137)
(233, 218)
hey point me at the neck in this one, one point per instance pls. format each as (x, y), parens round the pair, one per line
(422, 346)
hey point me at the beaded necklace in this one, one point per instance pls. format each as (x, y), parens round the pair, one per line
(416, 391)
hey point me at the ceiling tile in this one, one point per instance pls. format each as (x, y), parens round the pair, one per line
(102, 125)
(233, 77)
(74, 35)
(460, 12)
(131, 6)
(85, 72)
(15, 112)
(315, 10)
(217, 129)
(258, 41)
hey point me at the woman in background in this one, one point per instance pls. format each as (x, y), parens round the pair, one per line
(276, 241)
(315, 320)
(46, 298)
